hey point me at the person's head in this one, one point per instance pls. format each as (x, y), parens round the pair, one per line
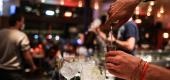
(16, 20)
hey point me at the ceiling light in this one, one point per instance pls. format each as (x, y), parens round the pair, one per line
(149, 8)
(68, 14)
(49, 12)
(165, 35)
(138, 21)
(96, 6)
(62, 2)
(158, 15)
(57, 37)
(151, 3)
(80, 3)
(148, 14)
(161, 10)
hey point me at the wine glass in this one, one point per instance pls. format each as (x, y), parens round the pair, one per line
(69, 70)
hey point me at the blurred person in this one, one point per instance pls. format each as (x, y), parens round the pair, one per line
(129, 67)
(119, 13)
(14, 49)
(119, 18)
(127, 37)
(52, 63)
(68, 54)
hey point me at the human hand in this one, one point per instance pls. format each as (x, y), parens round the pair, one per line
(120, 11)
(121, 64)
(111, 37)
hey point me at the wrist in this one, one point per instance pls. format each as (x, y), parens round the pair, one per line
(136, 71)
(139, 73)
(144, 70)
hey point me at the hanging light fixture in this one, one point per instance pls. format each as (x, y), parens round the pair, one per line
(80, 3)
(96, 5)
(68, 14)
(162, 10)
(149, 8)
(137, 10)
(148, 14)
(62, 2)
(138, 21)
(152, 3)
(158, 15)
(165, 35)
(49, 12)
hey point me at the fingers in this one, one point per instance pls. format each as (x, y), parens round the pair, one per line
(113, 60)
(113, 53)
(111, 66)
(113, 69)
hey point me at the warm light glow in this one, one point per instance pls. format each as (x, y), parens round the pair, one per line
(43, 1)
(49, 12)
(147, 35)
(138, 21)
(165, 35)
(37, 50)
(149, 8)
(80, 3)
(162, 10)
(62, 2)
(57, 37)
(158, 15)
(49, 36)
(148, 14)
(68, 14)
(96, 6)
(151, 3)
(137, 10)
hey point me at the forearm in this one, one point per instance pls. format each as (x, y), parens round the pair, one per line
(124, 44)
(157, 73)
(29, 59)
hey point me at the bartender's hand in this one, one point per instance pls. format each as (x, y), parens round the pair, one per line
(119, 12)
(121, 64)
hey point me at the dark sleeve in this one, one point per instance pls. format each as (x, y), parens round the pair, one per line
(131, 30)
